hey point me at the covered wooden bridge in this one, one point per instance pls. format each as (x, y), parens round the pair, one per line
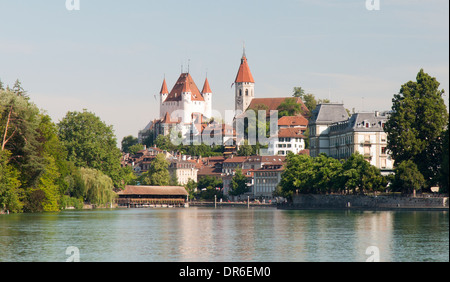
(141, 196)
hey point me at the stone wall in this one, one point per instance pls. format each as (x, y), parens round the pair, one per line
(367, 202)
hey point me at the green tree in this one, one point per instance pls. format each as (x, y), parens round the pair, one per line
(298, 92)
(158, 174)
(297, 175)
(10, 191)
(98, 187)
(238, 183)
(135, 148)
(164, 143)
(190, 187)
(418, 119)
(127, 142)
(308, 99)
(19, 125)
(360, 176)
(407, 178)
(289, 107)
(91, 143)
(444, 170)
(245, 149)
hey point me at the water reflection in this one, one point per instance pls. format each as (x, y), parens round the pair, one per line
(225, 234)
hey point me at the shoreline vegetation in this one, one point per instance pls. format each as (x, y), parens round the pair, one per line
(48, 166)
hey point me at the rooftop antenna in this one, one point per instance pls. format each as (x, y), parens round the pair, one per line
(243, 47)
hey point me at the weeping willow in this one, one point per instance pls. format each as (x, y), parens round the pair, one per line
(99, 187)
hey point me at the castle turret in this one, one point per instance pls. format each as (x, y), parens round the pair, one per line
(207, 95)
(163, 96)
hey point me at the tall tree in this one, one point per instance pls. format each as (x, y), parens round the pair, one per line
(238, 183)
(10, 191)
(91, 143)
(415, 126)
(127, 142)
(158, 174)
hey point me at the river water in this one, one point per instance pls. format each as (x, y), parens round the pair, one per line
(225, 235)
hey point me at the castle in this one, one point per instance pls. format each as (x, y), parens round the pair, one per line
(187, 110)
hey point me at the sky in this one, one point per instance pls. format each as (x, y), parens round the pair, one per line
(110, 57)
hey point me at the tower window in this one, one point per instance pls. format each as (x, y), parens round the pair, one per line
(240, 92)
(246, 92)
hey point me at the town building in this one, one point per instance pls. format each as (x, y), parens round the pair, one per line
(287, 140)
(183, 169)
(261, 165)
(322, 117)
(332, 132)
(362, 133)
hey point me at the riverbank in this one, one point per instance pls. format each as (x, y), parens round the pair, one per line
(364, 202)
(231, 204)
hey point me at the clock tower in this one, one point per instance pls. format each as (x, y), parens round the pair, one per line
(244, 86)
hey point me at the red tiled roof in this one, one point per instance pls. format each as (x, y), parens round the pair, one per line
(164, 88)
(293, 121)
(185, 83)
(206, 88)
(290, 132)
(244, 74)
(153, 190)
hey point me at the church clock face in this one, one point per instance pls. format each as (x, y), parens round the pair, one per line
(239, 100)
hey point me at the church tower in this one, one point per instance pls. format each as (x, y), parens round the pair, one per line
(244, 86)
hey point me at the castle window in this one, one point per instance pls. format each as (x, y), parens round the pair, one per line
(240, 92)
(246, 92)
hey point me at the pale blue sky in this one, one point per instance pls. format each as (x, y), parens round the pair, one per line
(111, 56)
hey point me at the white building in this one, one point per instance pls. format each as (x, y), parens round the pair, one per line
(185, 102)
(288, 140)
(334, 133)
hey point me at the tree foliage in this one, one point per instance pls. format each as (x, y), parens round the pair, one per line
(407, 178)
(98, 186)
(323, 174)
(415, 126)
(91, 143)
(289, 107)
(158, 173)
(238, 183)
(10, 191)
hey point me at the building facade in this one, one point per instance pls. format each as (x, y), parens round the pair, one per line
(334, 133)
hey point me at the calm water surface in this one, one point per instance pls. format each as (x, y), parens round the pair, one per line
(225, 234)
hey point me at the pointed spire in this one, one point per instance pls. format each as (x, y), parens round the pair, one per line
(206, 88)
(244, 74)
(164, 88)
